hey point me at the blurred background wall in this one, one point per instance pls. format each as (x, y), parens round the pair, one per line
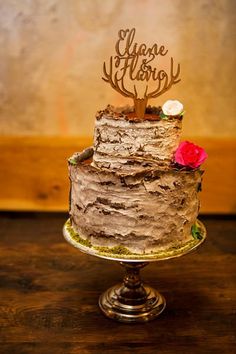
(50, 81)
(53, 51)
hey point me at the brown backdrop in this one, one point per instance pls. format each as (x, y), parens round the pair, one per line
(50, 85)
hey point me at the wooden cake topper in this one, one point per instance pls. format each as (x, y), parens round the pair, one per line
(134, 60)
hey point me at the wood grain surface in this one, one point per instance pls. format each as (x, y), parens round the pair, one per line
(34, 176)
(49, 294)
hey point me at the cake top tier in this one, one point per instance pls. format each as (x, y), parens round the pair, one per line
(122, 141)
(142, 137)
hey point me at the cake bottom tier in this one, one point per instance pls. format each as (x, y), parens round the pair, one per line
(145, 212)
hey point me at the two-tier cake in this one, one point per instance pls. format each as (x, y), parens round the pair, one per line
(136, 190)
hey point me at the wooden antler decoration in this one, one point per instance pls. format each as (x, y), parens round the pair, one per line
(128, 56)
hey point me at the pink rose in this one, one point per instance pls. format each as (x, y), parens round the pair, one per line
(190, 155)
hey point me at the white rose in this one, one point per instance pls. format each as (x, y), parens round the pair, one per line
(172, 108)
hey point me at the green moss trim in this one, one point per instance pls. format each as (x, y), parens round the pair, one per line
(75, 236)
(121, 251)
(118, 251)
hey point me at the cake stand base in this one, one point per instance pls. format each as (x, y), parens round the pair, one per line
(132, 301)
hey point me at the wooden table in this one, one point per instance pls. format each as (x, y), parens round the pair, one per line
(49, 294)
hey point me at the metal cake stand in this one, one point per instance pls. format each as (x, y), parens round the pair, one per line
(131, 301)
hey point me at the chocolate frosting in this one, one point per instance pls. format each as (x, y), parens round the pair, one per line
(146, 211)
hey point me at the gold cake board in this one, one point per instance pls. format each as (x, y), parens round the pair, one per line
(131, 301)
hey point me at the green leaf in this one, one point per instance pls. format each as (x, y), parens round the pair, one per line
(182, 113)
(163, 116)
(73, 162)
(196, 232)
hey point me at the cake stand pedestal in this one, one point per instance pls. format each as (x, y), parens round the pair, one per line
(131, 301)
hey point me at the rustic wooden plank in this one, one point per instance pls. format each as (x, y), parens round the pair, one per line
(33, 173)
(49, 293)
